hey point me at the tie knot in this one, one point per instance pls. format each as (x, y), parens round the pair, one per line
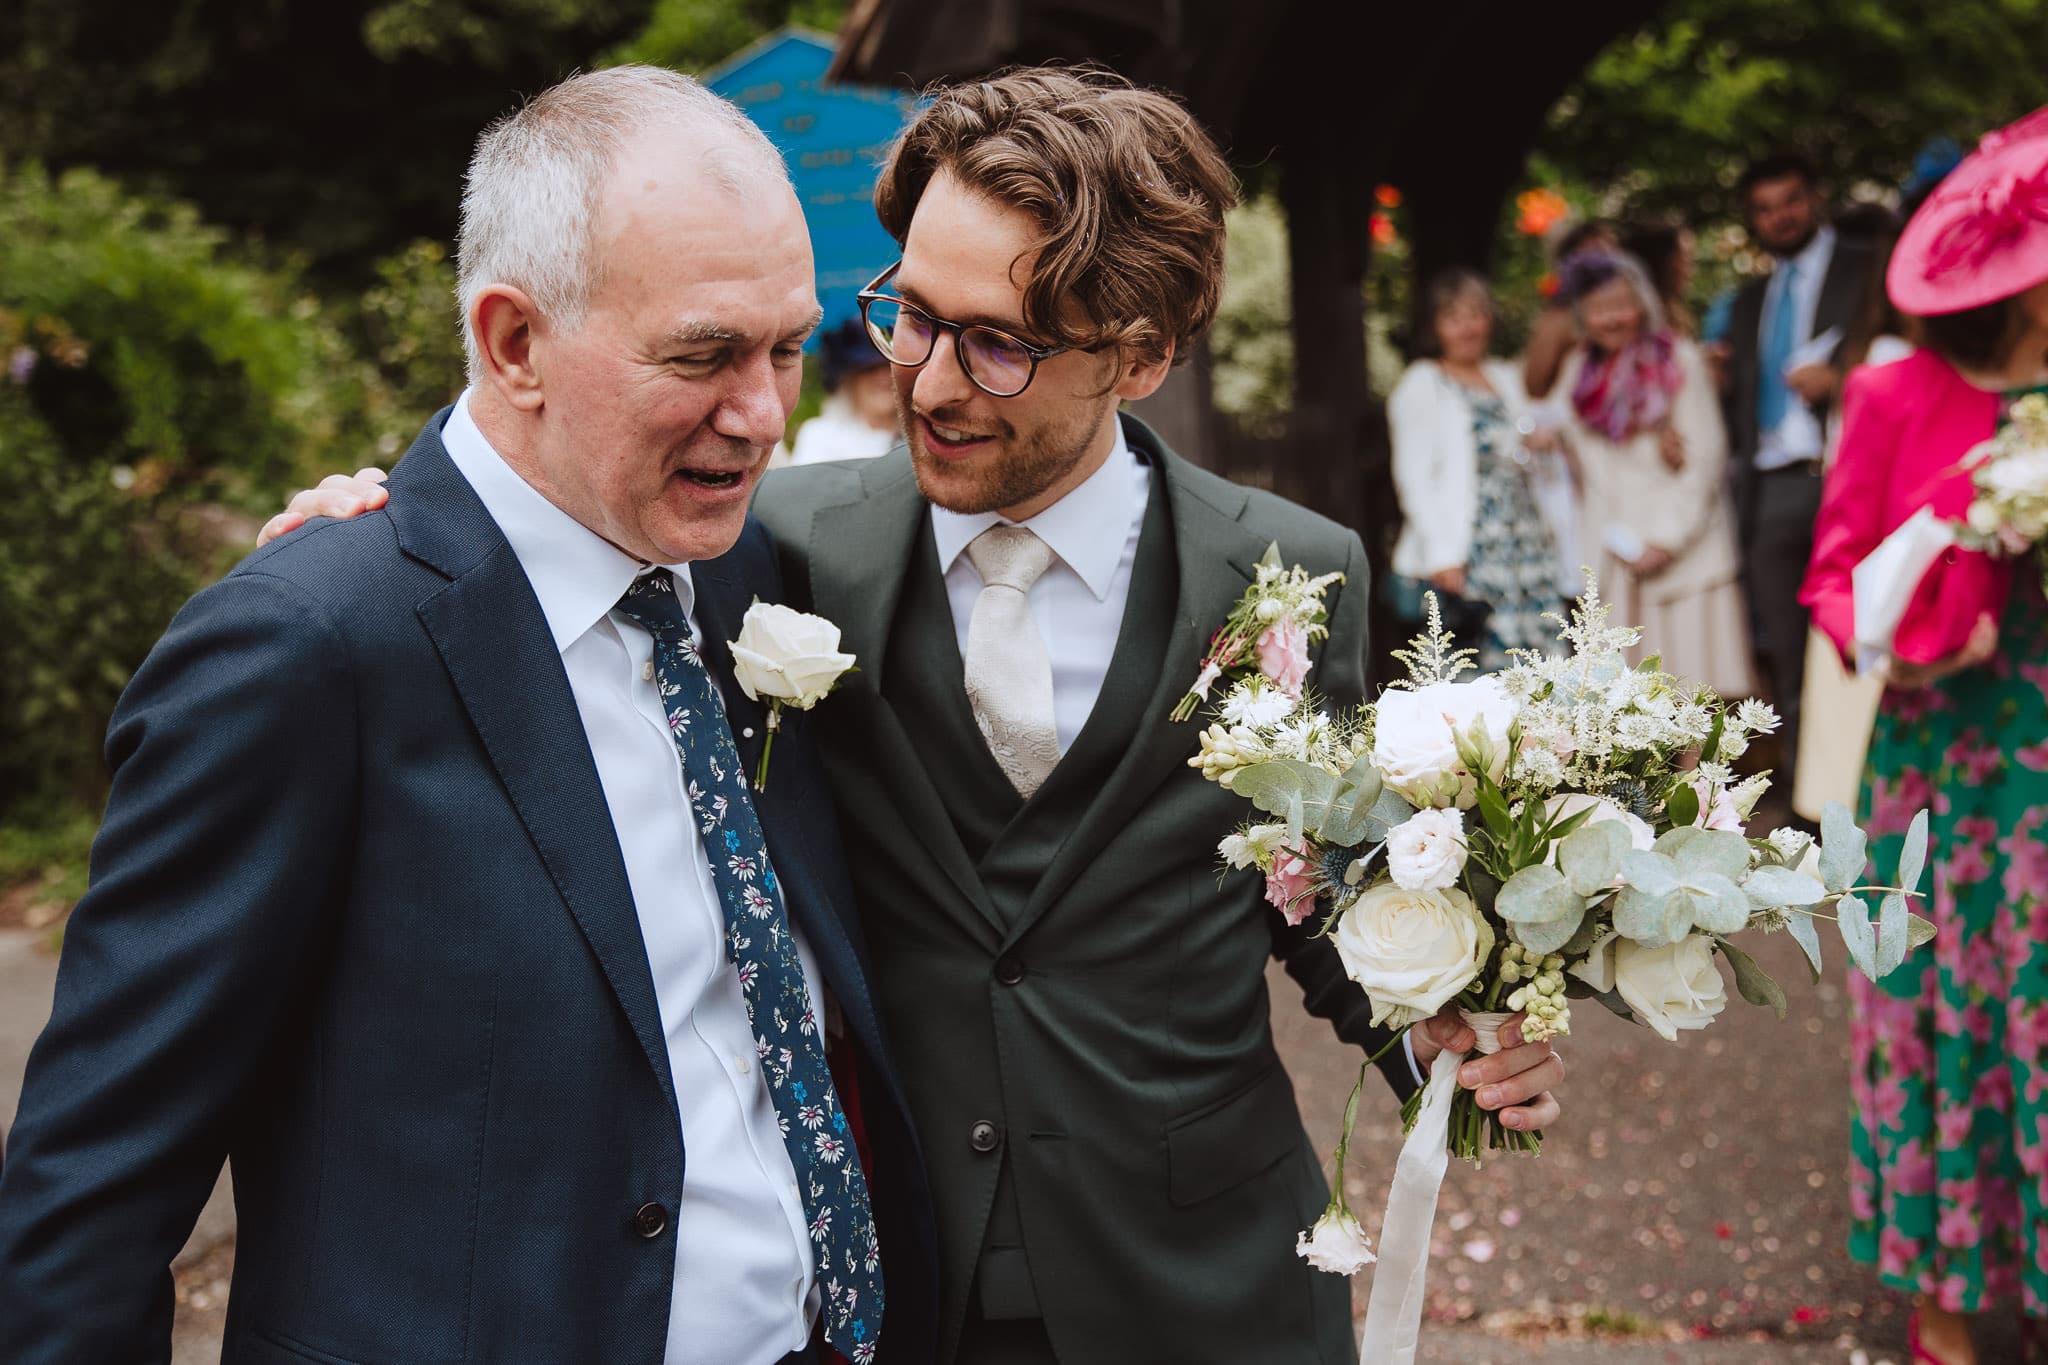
(652, 602)
(1009, 557)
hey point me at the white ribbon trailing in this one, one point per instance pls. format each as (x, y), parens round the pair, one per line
(1393, 1313)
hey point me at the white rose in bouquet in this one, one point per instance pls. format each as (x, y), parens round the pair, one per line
(1412, 951)
(1416, 732)
(787, 656)
(1336, 1244)
(1670, 988)
(1426, 852)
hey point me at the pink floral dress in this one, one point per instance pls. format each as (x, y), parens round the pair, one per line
(1949, 1143)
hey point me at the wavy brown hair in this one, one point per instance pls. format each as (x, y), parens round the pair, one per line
(1127, 189)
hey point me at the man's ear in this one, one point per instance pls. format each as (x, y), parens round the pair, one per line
(504, 321)
(1141, 378)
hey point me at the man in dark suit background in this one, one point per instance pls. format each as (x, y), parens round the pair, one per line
(1779, 393)
(1076, 992)
(431, 892)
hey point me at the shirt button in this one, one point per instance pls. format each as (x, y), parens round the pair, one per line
(747, 733)
(647, 671)
(742, 1064)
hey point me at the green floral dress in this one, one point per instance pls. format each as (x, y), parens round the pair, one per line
(1949, 1139)
(1513, 568)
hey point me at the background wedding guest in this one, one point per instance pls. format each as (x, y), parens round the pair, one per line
(1666, 251)
(858, 420)
(1777, 395)
(1462, 470)
(1667, 559)
(1555, 330)
(1949, 1173)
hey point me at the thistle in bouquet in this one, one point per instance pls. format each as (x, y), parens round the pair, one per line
(2008, 511)
(1267, 634)
(1567, 829)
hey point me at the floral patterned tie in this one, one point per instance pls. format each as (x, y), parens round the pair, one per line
(761, 947)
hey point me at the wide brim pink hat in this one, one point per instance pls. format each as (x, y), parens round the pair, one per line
(1982, 235)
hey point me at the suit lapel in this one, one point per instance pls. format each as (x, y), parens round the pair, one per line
(494, 642)
(860, 555)
(1215, 560)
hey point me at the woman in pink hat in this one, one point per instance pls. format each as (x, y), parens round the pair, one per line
(1949, 1188)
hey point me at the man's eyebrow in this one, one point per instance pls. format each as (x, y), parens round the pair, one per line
(697, 333)
(1009, 325)
(809, 326)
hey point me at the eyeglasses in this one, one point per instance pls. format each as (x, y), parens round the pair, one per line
(999, 364)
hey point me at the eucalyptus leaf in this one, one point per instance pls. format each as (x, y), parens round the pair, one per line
(1581, 942)
(1294, 818)
(1843, 848)
(1540, 895)
(1891, 933)
(1647, 916)
(1918, 931)
(1913, 857)
(1272, 784)
(1772, 886)
(1682, 806)
(1718, 904)
(1806, 933)
(1698, 851)
(1590, 858)
(1388, 813)
(1853, 917)
(1547, 938)
(1649, 872)
(1753, 981)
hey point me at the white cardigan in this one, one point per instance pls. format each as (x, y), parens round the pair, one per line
(1436, 464)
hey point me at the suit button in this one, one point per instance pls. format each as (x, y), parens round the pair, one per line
(1009, 970)
(650, 1221)
(984, 1136)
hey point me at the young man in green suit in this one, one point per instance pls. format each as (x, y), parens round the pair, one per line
(1076, 992)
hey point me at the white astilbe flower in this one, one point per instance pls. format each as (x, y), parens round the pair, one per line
(1715, 774)
(1790, 845)
(1258, 704)
(1754, 716)
(1253, 846)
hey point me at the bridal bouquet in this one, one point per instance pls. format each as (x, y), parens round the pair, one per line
(1566, 830)
(2008, 512)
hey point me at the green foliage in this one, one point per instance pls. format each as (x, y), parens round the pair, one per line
(695, 35)
(1667, 115)
(1253, 349)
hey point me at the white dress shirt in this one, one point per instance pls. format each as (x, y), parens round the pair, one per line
(1079, 601)
(744, 1290)
(1798, 437)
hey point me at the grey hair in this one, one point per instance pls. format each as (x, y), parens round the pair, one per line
(530, 200)
(1620, 265)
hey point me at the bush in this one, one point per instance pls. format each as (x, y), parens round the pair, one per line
(159, 392)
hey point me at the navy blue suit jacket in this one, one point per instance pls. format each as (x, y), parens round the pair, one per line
(359, 923)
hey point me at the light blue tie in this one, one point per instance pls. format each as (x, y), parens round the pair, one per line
(761, 947)
(1773, 398)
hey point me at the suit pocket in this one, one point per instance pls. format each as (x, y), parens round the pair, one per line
(1228, 1143)
(267, 1344)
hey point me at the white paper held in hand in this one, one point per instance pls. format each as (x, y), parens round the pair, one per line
(1884, 582)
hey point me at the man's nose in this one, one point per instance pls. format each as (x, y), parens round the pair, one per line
(941, 381)
(753, 408)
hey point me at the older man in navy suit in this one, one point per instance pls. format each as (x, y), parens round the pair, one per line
(432, 891)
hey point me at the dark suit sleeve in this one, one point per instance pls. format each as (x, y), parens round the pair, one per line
(214, 878)
(1340, 676)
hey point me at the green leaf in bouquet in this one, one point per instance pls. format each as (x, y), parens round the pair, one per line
(1752, 981)
(1493, 809)
(1542, 906)
(1701, 851)
(1773, 885)
(1843, 848)
(1682, 806)
(1918, 931)
(1654, 907)
(1295, 818)
(1581, 941)
(1913, 857)
(1590, 858)
(1853, 918)
(1301, 793)
(1718, 904)
(1891, 933)
(1349, 822)
(1388, 813)
(1806, 934)
(1710, 748)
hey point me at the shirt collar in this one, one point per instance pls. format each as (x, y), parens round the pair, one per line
(577, 575)
(1813, 257)
(1087, 528)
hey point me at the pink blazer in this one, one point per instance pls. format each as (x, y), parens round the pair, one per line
(1905, 427)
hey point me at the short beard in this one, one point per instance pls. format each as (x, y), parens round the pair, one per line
(1021, 473)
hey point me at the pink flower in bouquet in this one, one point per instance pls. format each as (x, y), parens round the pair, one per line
(1717, 806)
(1283, 654)
(1288, 887)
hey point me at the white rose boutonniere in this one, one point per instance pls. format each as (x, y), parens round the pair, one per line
(786, 658)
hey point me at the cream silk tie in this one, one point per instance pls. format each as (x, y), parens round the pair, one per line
(1009, 673)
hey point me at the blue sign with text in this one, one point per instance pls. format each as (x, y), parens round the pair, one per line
(834, 138)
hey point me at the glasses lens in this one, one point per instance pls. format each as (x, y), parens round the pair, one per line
(997, 363)
(902, 333)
